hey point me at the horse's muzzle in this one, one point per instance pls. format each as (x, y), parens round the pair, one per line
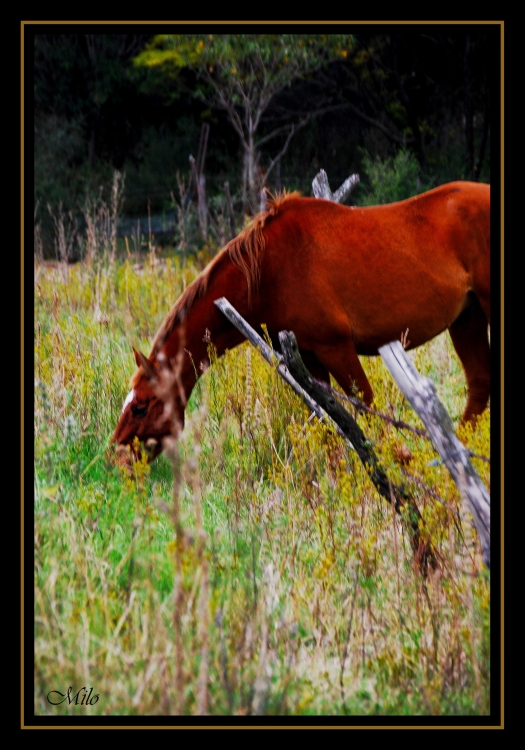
(126, 455)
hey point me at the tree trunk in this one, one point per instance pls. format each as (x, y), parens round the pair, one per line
(251, 189)
(468, 112)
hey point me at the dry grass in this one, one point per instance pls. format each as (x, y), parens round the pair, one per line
(255, 571)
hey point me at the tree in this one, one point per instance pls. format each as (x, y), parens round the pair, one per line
(243, 75)
(84, 79)
(427, 90)
(85, 117)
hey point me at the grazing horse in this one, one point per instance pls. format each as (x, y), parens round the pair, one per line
(345, 280)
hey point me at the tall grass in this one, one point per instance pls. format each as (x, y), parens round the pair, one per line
(254, 570)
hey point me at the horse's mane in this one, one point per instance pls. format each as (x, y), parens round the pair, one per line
(245, 250)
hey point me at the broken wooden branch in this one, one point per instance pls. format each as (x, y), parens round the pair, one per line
(421, 393)
(321, 187)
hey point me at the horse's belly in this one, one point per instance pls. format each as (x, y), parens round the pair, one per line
(416, 326)
(419, 314)
(372, 307)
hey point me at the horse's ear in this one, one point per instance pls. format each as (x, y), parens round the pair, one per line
(143, 361)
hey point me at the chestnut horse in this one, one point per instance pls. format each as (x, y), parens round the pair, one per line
(345, 280)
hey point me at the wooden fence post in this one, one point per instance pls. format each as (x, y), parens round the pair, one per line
(321, 187)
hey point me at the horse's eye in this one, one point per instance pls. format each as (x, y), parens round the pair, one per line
(139, 411)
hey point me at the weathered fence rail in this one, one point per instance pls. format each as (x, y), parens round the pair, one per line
(421, 393)
(271, 356)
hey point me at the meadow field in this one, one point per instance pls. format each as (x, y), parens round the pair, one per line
(258, 572)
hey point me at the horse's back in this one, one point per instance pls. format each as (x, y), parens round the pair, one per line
(381, 269)
(448, 205)
(443, 227)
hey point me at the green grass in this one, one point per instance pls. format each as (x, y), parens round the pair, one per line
(258, 572)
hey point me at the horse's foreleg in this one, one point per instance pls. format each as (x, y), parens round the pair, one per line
(315, 368)
(343, 363)
(469, 333)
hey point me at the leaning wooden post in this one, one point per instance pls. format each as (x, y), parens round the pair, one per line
(325, 406)
(268, 353)
(421, 393)
(396, 495)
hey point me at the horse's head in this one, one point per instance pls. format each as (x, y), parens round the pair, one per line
(152, 411)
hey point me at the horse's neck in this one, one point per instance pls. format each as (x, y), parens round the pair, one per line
(186, 354)
(187, 346)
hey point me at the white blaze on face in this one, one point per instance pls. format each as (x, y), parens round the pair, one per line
(129, 399)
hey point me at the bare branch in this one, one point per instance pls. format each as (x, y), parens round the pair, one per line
(292, 132)
(376, 124)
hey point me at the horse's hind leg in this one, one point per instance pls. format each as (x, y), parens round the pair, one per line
(469, 333)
